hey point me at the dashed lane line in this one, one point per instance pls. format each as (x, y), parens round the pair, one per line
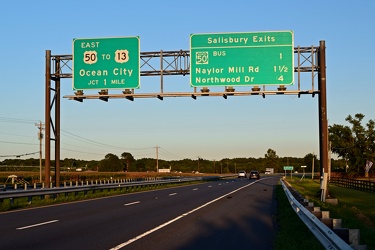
(37, 225)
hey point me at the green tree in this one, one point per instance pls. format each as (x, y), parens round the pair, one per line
(309, 160)
(111, 163)
(355, 144)
(139, 166)
(68, 164)
(272, 160)
(128, 160)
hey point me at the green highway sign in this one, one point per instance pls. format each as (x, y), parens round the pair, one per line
(288, 167)
(106, 63)
(242, 59)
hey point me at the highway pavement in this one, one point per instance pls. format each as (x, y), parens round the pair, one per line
(224, 214)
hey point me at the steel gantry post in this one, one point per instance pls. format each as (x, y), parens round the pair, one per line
(47, 140)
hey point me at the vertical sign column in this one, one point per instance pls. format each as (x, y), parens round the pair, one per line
(106, 63)
(241, 59)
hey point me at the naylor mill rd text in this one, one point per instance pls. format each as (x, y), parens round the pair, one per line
(206, 78)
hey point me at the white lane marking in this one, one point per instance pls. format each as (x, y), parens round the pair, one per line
(210, 186)
(37, 225)
(132, 203)
(195, 189)
(175, 219)
(172, 194)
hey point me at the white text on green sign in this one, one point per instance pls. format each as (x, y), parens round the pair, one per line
(241, 59)
(106, 63)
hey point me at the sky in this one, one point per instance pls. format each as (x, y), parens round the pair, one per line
(211, 128)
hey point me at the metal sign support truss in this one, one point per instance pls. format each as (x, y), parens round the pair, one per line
(310, 60)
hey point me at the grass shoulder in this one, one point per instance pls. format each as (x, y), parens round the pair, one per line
(356, 208)
(292, 232)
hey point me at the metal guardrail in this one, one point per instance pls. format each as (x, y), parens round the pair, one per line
(30, 193)
(323, 233)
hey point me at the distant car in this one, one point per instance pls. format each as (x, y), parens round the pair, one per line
(242, 174)
(254, 174)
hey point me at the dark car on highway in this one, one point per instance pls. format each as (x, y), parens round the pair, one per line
(254, 174)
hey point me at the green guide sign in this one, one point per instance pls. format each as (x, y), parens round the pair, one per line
(288, 167)
(106, 63)
(242, 59)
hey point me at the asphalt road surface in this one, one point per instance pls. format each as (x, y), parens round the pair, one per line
(225, 214)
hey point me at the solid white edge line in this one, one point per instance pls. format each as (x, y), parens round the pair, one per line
(37, 225)
(177, 218)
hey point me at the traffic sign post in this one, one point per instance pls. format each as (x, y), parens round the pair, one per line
(106, 63)
(288, 168)
(303, 167)
(242, 59)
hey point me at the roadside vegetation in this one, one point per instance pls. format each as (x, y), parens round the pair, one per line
(127, 164)
(356, 208)
(292, 232)
(18, 203)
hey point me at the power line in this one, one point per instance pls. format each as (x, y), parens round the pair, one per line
(16, 135)
(172, 154)
(80, 138)
(21, 143)
(16, 120)
(19, 155)
(89, 141)
(72, 136)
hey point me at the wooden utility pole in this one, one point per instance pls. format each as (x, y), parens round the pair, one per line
(198, 163)
(40, 137)
(323, 121)
(157, 159)
(313, 165)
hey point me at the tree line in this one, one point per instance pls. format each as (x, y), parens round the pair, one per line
(127, 163)
(354, 145)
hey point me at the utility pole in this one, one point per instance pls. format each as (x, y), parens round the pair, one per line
(323, 122)
(198, 163)
(312, 172)
(40, 137)
(329, 160)
(157, 159)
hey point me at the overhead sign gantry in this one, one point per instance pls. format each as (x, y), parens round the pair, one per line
(94, 60)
